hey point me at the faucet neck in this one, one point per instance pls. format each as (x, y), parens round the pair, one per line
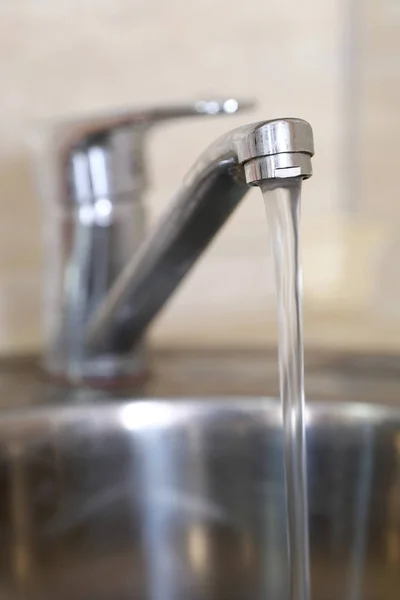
(250, 155)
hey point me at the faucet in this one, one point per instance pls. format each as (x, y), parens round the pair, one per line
(103, 321)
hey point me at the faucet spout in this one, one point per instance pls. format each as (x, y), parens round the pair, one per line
(247, 156)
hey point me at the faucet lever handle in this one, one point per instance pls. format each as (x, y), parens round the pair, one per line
(212, 107)
(80, 129)
(103, 154)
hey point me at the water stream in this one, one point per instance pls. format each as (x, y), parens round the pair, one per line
(282, 205)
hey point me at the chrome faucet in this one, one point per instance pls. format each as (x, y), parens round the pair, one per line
(99, 331)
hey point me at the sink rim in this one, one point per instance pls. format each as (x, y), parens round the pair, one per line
(162, 412)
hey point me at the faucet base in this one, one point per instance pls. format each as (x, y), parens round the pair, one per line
(104, 372)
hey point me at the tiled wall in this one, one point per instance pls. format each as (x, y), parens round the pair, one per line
(63, 57)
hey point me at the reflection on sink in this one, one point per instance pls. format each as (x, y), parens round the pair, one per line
(184, 497)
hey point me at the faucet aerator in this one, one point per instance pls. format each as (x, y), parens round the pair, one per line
(278, 166)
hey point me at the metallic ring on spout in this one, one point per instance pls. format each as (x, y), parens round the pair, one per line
(278, 149)
(278, 166)
(273, 137)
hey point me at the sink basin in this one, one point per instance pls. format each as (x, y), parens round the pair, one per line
(123, 496)
(169, 499)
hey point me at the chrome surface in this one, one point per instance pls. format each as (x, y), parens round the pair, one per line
(92, 173)
(104, 154)
(172, 497)
(249, 155)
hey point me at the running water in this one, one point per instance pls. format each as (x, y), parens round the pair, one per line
(282, 205)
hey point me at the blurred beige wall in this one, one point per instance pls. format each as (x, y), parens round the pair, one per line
(67, 56)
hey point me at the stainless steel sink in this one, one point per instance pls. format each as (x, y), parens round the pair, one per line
(176, 498)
